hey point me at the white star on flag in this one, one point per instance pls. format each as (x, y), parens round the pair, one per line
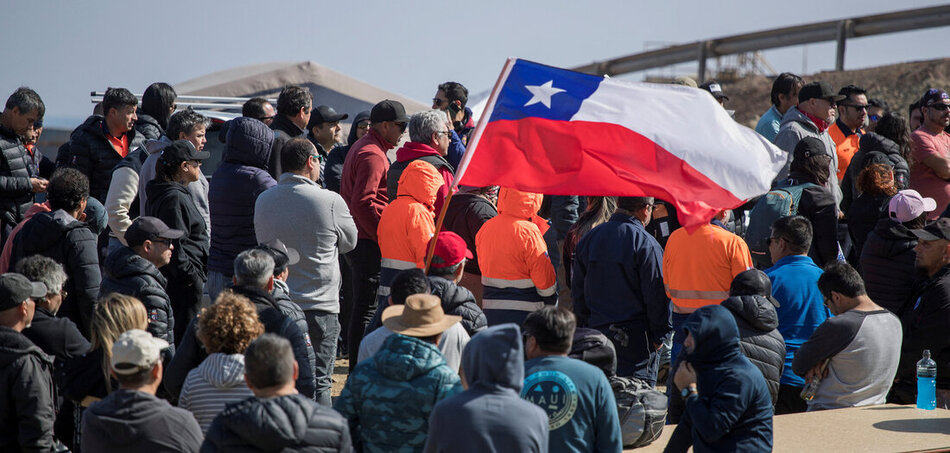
(542, 93)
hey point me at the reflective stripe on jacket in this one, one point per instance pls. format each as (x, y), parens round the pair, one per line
(699, 267)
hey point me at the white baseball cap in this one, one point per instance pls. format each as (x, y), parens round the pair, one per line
(908, 204)
(134, 350)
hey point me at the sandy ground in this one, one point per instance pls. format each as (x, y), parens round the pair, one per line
(340, 371)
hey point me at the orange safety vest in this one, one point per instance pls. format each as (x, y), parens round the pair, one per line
(845, 147)
(698, 268)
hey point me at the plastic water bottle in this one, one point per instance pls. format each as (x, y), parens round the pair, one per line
(926, 382)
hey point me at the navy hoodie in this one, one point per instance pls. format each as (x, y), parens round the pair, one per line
(490, 416)
(733, 410)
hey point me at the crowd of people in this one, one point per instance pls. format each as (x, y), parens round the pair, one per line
(148, 306)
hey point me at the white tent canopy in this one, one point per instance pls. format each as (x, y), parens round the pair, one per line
(345, 94)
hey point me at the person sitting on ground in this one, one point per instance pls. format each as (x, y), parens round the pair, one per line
(489, 415)
(727, 399)
(854, 353)
(446, 271)
(405, 284)
(87, 378)
(389, 398)
(225, 329)
(26, 422)
(582, 411)
(277, 418)
(132, 419)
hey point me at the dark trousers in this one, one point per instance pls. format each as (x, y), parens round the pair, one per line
(324, 330)
(185, 292)
(789, 400)
(636, 356)
(364, 263)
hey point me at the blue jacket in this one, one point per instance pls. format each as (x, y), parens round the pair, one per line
(490, 416)
(768, 126)
(389, 397)
(617, 279)
(802, 307)
(459, 139)
(733, 410)
(234, 188)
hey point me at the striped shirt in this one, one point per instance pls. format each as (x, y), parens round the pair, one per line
(217, 382)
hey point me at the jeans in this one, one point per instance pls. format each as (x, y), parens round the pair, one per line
(216, 283)
(324, 329)
(364, 263)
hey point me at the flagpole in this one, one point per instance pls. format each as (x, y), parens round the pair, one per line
(469, 150)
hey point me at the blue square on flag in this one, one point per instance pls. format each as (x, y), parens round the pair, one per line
(534, 90)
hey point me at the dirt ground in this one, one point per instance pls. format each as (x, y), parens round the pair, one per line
(340, 370)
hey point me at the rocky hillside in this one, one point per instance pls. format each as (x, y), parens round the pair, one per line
(897, 84)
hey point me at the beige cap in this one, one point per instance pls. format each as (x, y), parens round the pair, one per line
(134, 350)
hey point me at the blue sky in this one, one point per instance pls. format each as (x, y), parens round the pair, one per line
(64, 49)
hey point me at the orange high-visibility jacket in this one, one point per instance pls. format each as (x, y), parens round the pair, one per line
(516, 272)
(407, 223)
(699, 267)
(846, 144)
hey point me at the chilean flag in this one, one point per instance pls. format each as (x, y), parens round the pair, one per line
(558, 132)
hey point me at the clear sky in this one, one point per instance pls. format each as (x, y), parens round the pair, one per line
(65, 49)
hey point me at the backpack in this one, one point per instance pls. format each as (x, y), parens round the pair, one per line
(641, 409)
(593, 347)
(781, 201)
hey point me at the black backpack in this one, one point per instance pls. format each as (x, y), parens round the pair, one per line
(642, 411)
(783, 200)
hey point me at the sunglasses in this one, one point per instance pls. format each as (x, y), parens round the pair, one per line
(771, 241)
(857, 106)
(874, 118)
(167, 242)
(438, 101)
(402, 126)
(939, 107)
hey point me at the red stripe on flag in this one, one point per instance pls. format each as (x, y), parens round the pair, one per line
(589, 158)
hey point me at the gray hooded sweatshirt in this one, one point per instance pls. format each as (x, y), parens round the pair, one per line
(796, 126)
(490, 416)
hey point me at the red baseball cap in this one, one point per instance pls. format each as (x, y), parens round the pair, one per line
(450, 248)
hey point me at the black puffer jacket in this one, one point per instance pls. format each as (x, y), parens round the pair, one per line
(172, 203)
(128, 273)
(16, 191)
(284, 130)
(289, 308)
(817, 205)
(284, 423)
(864, 214)
(459, 301)
(89, 151)
(148, 127)
(872, 142)
(57, 235)
(887, 265)
(26, 421)
(759, 338)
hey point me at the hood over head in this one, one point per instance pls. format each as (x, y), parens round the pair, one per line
(715, 334)
(755, 310)
(249, 142)
(223, 370)
(519, 204)
(351, 138)
(421, 181)
(494, 359)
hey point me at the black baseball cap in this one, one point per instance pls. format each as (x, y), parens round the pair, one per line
(752, 282)
(820, 90)
(934, 96)
(183, 150)
(325, 114)
(15, 288)
(276, 248)
(807, 147)
(388, 110)
(934, 231)
(149, 228)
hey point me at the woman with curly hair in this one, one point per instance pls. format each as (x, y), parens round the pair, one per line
(225, 329)
(876, 183)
